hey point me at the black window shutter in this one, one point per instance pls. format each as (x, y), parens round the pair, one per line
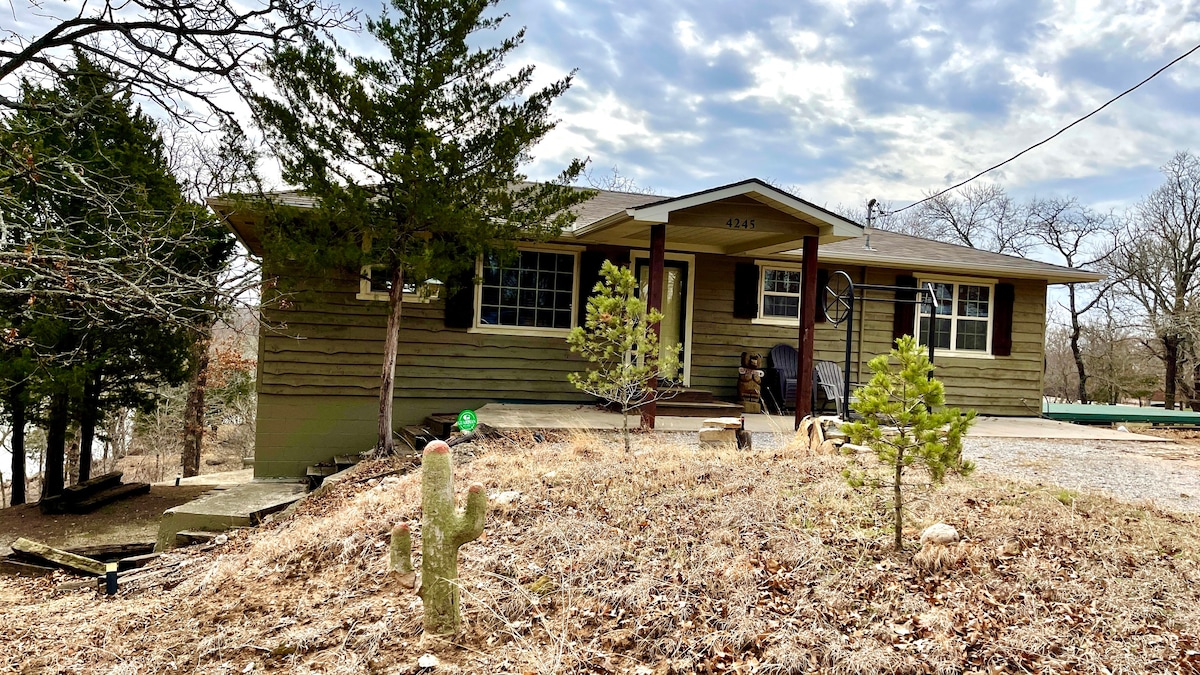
(819, 306)
(903, 321)
(745, 291)
(1002, 321)
(460, 303)
(589, 274)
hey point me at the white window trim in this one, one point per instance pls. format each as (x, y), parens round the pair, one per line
(956, 282)
(690, 259)
(761, 320)
(365, 292)
(529, 331)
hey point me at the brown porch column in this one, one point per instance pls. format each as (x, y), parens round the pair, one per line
(658, 256)
(808, 300)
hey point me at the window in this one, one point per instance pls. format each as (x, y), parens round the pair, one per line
(534, 291)
(780, 293)
(962, 318)
(375, 285)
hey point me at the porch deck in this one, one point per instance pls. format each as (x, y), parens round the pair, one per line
(590, 418)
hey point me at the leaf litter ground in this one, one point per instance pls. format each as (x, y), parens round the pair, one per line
(672, 559)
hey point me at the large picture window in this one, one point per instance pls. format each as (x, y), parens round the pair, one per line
(961, 320)
(535, 290)
(780, 293)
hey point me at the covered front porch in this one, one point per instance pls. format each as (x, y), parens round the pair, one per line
(747, 220)
(508, 417)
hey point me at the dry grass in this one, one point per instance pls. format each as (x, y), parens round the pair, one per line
(674, 559)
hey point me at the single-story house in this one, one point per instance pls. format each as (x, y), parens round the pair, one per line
(730, 263)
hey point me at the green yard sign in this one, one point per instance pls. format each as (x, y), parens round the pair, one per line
(467, 421)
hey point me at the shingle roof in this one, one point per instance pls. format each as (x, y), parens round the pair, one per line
(892, 249)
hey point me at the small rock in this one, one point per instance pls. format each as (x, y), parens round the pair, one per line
(550, 475)
(428, 661)
(939, 534)
(1122, 429)
(220, 539)
(508, 497)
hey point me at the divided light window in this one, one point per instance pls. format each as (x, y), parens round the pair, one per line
(962, 319)
(780, 293)
(534, 290)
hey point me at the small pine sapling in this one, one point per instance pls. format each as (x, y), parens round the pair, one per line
(619, 340)
(904, 422)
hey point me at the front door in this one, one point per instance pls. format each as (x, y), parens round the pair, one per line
(673, 330)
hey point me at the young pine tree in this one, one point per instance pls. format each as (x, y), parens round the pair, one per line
(412, 156)
(905, 423)
(619, 339)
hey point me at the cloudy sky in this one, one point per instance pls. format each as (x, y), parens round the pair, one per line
(844, 101)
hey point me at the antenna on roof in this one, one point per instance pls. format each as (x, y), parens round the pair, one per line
(870, 221)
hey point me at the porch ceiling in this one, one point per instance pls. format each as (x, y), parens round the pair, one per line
(749, 219)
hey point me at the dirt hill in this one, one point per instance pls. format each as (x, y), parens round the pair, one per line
(674, 559)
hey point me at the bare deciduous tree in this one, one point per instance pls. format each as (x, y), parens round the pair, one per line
(1159, 263)
(1080, 237)
(980, 216)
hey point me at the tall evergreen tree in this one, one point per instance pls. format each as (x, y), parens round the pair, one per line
(413, 158)
(98, 189)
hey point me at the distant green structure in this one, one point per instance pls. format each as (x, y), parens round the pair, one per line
(1081, 413)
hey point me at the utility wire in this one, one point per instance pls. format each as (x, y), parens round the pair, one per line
(1054, 136)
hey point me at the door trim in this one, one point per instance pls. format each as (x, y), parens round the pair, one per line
(636, 255)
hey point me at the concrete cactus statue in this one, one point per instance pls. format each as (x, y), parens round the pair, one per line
(443, 530)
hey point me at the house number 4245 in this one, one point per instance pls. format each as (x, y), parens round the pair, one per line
(740, 224)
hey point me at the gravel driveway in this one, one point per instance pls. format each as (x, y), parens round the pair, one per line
(1167, 474)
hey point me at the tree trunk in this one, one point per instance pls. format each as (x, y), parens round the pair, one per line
(1171, 359)
(56, 446)
(386, 444)
(1076, 349)
(193, 412)
(898, 498)
(89, 414)
(16, 407)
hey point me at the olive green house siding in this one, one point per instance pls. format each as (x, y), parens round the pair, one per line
(320, 356)
(321, 341)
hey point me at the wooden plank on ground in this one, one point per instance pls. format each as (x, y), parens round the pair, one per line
(113, 552)
(123, 491)
(39, 552)
(19, 568)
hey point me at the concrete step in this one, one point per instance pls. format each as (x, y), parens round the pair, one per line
(242, 505)
(673, 408)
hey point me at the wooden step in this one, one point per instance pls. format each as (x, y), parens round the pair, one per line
(687, 395)
(113, 552)
(674, 408)
(317, 473)
(441, 425)
(134, 562)
(122, 491)
(343, 462)
(417, 437)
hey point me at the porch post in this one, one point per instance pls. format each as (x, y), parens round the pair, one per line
(658, 256)
(808, 302)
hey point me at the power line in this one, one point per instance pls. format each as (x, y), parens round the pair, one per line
(1055, 135)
